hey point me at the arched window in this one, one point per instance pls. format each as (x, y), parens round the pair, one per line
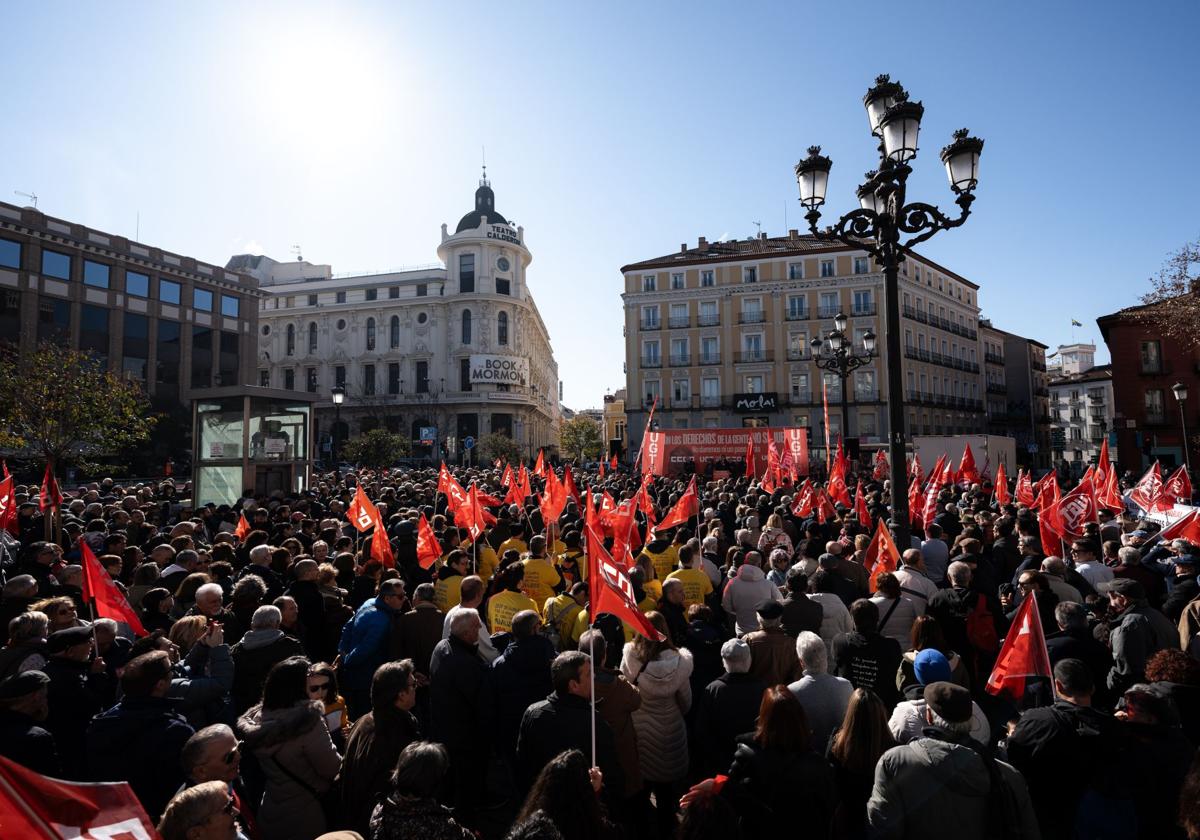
(502, 328)
(370, 333)
(312, 338)
(466, 327)
(395, 332)
(291, 339)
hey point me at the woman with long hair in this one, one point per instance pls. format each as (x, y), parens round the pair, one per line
(927, 633)
(661, 673)
(323, 686)
(287, 735)
(854, 750)
(156, 610)
(185, 595)
(411, 809)
(566, 792)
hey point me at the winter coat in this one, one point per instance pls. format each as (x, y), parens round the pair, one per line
(311, 606)
(666, 697)
(745, 593)
(616, 701)
(22, 740)
(365, 779)
(933, 789)
(559, 723)
(75, 696)
(401, 818)
(364, 643)
(773, 656)
(521, 677)
(728, 707)
(908, 718)
(417, 633)
(202, 686)
(299, 763)
(27, 656)
(906, 677)
(771, 788)
(824, 698)
(1137, 634)
(253, 657)
(835, 618)
(139, 741)
(801, 613)
(869, 662)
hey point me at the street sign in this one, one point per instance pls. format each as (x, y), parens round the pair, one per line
(468, 442)
(428, 435)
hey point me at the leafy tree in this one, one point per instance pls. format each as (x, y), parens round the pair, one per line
(498, 445)
(65, 406)
(376, 449)
(1172, 306)
(580, 436)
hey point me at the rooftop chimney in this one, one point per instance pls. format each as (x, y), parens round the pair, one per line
(683, 247)
(703, 243)
(762, 236)
(793, 234)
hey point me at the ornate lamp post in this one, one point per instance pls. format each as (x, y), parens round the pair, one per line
(883, 217)
(843, 361)
(338, 395)
(1181, 394)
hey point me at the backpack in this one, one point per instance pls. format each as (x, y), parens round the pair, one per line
(981, 627)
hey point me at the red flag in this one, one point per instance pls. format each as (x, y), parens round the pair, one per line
(601, 465)
(936, 482)
(643, 499)
(1148, 489)
(539, 468)
(1186, 527)
(860, 506)
(554, 498)
(1023, 654)
(882, 468)
(882, 555)
(569, 483)
(428, 548)
(243, 527)
(772, 459)
(496, 463)
(98, 587)
(625, 533)
(1075, 510)
(916, 507)
(611, 592)
(836, 485)
(750, 468)
(966, 468)
(471, 514)
(51, 496)
(1047, 485)
(767, 482)
(381, 548)
(451, 489)
(8, 506)
(612, 465)
(506, 479)
(1024, 488)
(4, 465)
(590, 515)
(1002, 497)
(1050, 528)
(523, 480)
(1108, 494)
(36, 806)
(686, 508)
(362, 513)
(825, 508)
(1177, 488)
(649, 427)
(803, 506)
(914, 470)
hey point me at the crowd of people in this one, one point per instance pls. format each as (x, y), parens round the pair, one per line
(291, 685)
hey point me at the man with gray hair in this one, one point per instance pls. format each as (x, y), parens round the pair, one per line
(257, 652)
(912, 796)
(186, 562)
(210, 603)
(1074, 640)
(727, 708)
(748, 589)
(1055, 572)
(823, 695)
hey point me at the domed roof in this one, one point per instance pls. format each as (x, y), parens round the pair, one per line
(485, 205)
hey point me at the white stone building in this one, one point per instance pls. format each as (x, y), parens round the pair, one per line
(458, 348)
(1081, 407)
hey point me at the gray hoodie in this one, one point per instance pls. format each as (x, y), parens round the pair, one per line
(749, 590)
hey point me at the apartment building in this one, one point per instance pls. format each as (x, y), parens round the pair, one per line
(1081, 407)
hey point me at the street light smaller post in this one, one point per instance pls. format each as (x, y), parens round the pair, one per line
(1181, 394)
(338, 395)
(844, 360)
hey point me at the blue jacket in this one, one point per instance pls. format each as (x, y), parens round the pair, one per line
(364, 644)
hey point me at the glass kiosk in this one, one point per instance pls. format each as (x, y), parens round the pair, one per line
(248, 438)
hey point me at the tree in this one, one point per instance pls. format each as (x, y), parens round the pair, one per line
(376, 449)
(580, 436)
(1172, 306)
(498, 445)
(66, 407)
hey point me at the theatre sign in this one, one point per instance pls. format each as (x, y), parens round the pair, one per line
(499, 370)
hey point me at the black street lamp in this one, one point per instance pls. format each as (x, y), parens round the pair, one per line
(338, 395)
(844, 360)
(876, 227)
(1181, 395)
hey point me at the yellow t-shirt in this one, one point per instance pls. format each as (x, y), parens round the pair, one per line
(561, 611)
(503, 606)
(514, 543)
(580, 563)
(540, 578)
(653, 592)
(488, 561)
(556, 549)
(665, 562)
(696, 585)
(447, 592)
(581, 626)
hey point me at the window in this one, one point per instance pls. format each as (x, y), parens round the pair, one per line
(706, 279)
(137, 284)
(289, 380)
(681, 391)
(202, 347)
(829, 304)
(649, 282)
(710, 353)
(464, 374)
(864, 385)
(650, 317)
(750, 274)
(650, 354)
(394, 332)
(10, 253)
(863, 305)
(95, 274)
(754, 384)
(796, 307)
(860, 265)
(752, 312)
(339, 376)
(679, 352)
(752, 347)
(677, 281)
(393, 292)
(1151, 357)
(310, 380)
(826, 268)
(202, 299)
(422, 289)
(264, 378)
(796, 271)
(393, 385)
(800, 389)
(466, 272)
(503, 286)
(167, 365)
(312, 338)
(312, 300)
(55, 264)
(502, 328)
(679, 315)
(372, 294)
(466, 327)
(708, 313)
(422, 377)
(710, 391)
(1154, 406)
(653, 391)
(54, 320)
(340, 297)
(370, 333)
(229, 306)
(135, 349)
(797, 342)
(369, 380)
(290, 349)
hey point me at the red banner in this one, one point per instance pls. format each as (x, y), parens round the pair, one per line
(667, 452)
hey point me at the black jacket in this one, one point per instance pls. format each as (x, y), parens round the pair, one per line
(561, 723)
(311, 606)
(139, 740)
(801, 613)
(252, 661)
(1081, 645)
(462, 698)
(1183, 593)
(521, 676)
(75, 696)
(772, 788)
(728, 707)
(272, 580)
(24, 741)
(365, 779)
(869, 662)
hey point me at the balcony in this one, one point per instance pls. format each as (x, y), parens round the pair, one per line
(753, 316)
(710, 401)
(798, 314)
(993, 358)
(1041, 392)
(1037, 365)
(945, 401)
(799, 397)
(828, 312)
(680, 359)
(748, 356)
(796, 355)
(936, 358)
(866, 395)
(708, 320)
(917, 315)
(651, 324)
(679, 322)
(863, 310)
(997, 388)
(710, 359)
(651, 361)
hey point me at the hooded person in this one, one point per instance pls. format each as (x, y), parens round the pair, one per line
(746, 592)
(257, 652)
(908, 718)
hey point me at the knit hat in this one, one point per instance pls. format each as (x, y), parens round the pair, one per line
(931, 666)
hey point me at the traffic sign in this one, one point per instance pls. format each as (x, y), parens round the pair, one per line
(468, 442)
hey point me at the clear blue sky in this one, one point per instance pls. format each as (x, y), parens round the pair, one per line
(614, 132)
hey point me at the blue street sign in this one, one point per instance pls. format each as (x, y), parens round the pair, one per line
(468, 442)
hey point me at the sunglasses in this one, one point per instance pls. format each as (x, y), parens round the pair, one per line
(232, 755)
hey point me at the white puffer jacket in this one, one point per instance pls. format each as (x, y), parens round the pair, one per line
(666, 697)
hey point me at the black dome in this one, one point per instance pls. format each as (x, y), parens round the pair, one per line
(485, 205)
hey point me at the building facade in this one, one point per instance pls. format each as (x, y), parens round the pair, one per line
(720, 335)
(1081, 408)
(616, 438)
(1148, 420)
(1018, 394)
(173, 323)
(440, 354)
